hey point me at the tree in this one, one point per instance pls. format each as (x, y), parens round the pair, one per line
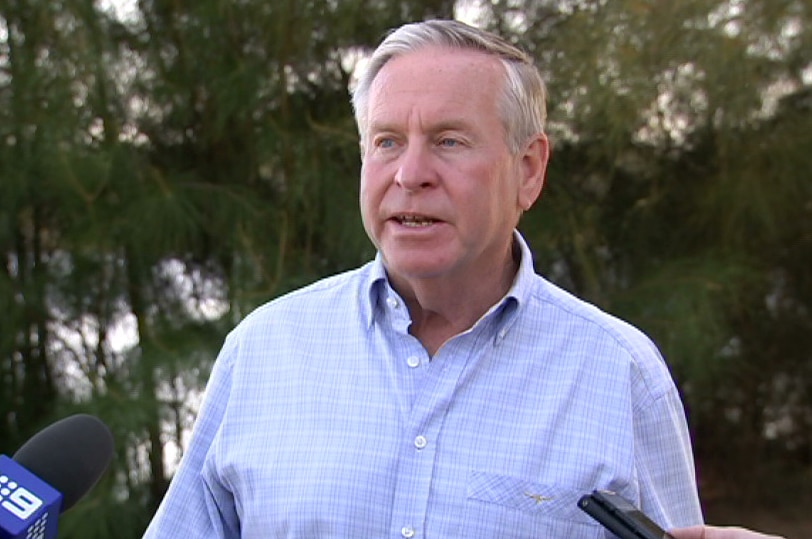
(678, 199)
(170, 172)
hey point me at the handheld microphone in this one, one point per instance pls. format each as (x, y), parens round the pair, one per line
(50, 472)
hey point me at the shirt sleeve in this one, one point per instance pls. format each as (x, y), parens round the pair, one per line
(665, 464)
(195, 507)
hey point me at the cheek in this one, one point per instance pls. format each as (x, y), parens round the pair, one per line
(494, 188)
(365, 203)
(369, 201)
(368, 220)
(501, 202)
(367, 193)
(373, 183)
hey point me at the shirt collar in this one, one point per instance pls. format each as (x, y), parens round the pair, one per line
(378, 289)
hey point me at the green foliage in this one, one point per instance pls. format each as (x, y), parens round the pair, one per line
(679, 198)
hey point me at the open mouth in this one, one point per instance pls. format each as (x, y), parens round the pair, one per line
(414, 221)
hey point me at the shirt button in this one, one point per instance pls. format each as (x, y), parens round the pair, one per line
(392, 302)
(420, 442)
(407, 532)
(413, 361)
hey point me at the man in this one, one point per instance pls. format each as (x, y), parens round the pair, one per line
(444, 389)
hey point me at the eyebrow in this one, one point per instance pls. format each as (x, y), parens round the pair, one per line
(437, 127)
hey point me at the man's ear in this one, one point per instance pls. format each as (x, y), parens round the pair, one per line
(534, 161)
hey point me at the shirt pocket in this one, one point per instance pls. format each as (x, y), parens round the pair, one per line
(511, 507)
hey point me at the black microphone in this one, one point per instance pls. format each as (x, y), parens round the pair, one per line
(53, 470)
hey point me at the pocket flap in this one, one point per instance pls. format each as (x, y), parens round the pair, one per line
(527, 496)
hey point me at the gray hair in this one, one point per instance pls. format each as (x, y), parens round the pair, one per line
(523, 101)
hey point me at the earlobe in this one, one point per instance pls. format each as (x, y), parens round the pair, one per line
(534, 170)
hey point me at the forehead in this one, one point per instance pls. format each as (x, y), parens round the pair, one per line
(437, 80)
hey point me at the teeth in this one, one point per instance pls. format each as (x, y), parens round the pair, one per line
(415, 221)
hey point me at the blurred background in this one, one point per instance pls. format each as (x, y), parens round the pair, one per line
(168, 165)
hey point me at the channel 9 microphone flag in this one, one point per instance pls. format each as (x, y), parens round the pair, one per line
(50, 473)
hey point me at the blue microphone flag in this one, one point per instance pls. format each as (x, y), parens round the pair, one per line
(29, 507)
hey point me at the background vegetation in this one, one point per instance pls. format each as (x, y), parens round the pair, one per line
(167, 165)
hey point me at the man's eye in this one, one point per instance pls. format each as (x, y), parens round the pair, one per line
(384, 143)
(449, 142)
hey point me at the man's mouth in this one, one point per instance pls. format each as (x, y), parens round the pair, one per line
(414, 221)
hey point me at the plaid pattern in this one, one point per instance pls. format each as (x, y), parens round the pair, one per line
(323, 417)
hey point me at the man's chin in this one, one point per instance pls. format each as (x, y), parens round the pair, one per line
(415, 268)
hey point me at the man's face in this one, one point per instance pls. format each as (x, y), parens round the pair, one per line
(440, 190)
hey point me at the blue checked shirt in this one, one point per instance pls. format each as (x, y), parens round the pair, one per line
(324, 417)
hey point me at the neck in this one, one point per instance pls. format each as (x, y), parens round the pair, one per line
(442, 308)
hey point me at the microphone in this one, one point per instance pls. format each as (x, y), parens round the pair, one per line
(50, 472)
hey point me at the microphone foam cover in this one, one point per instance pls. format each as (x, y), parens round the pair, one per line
(70, 455)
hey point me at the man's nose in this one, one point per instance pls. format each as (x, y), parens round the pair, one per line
(416, 170)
